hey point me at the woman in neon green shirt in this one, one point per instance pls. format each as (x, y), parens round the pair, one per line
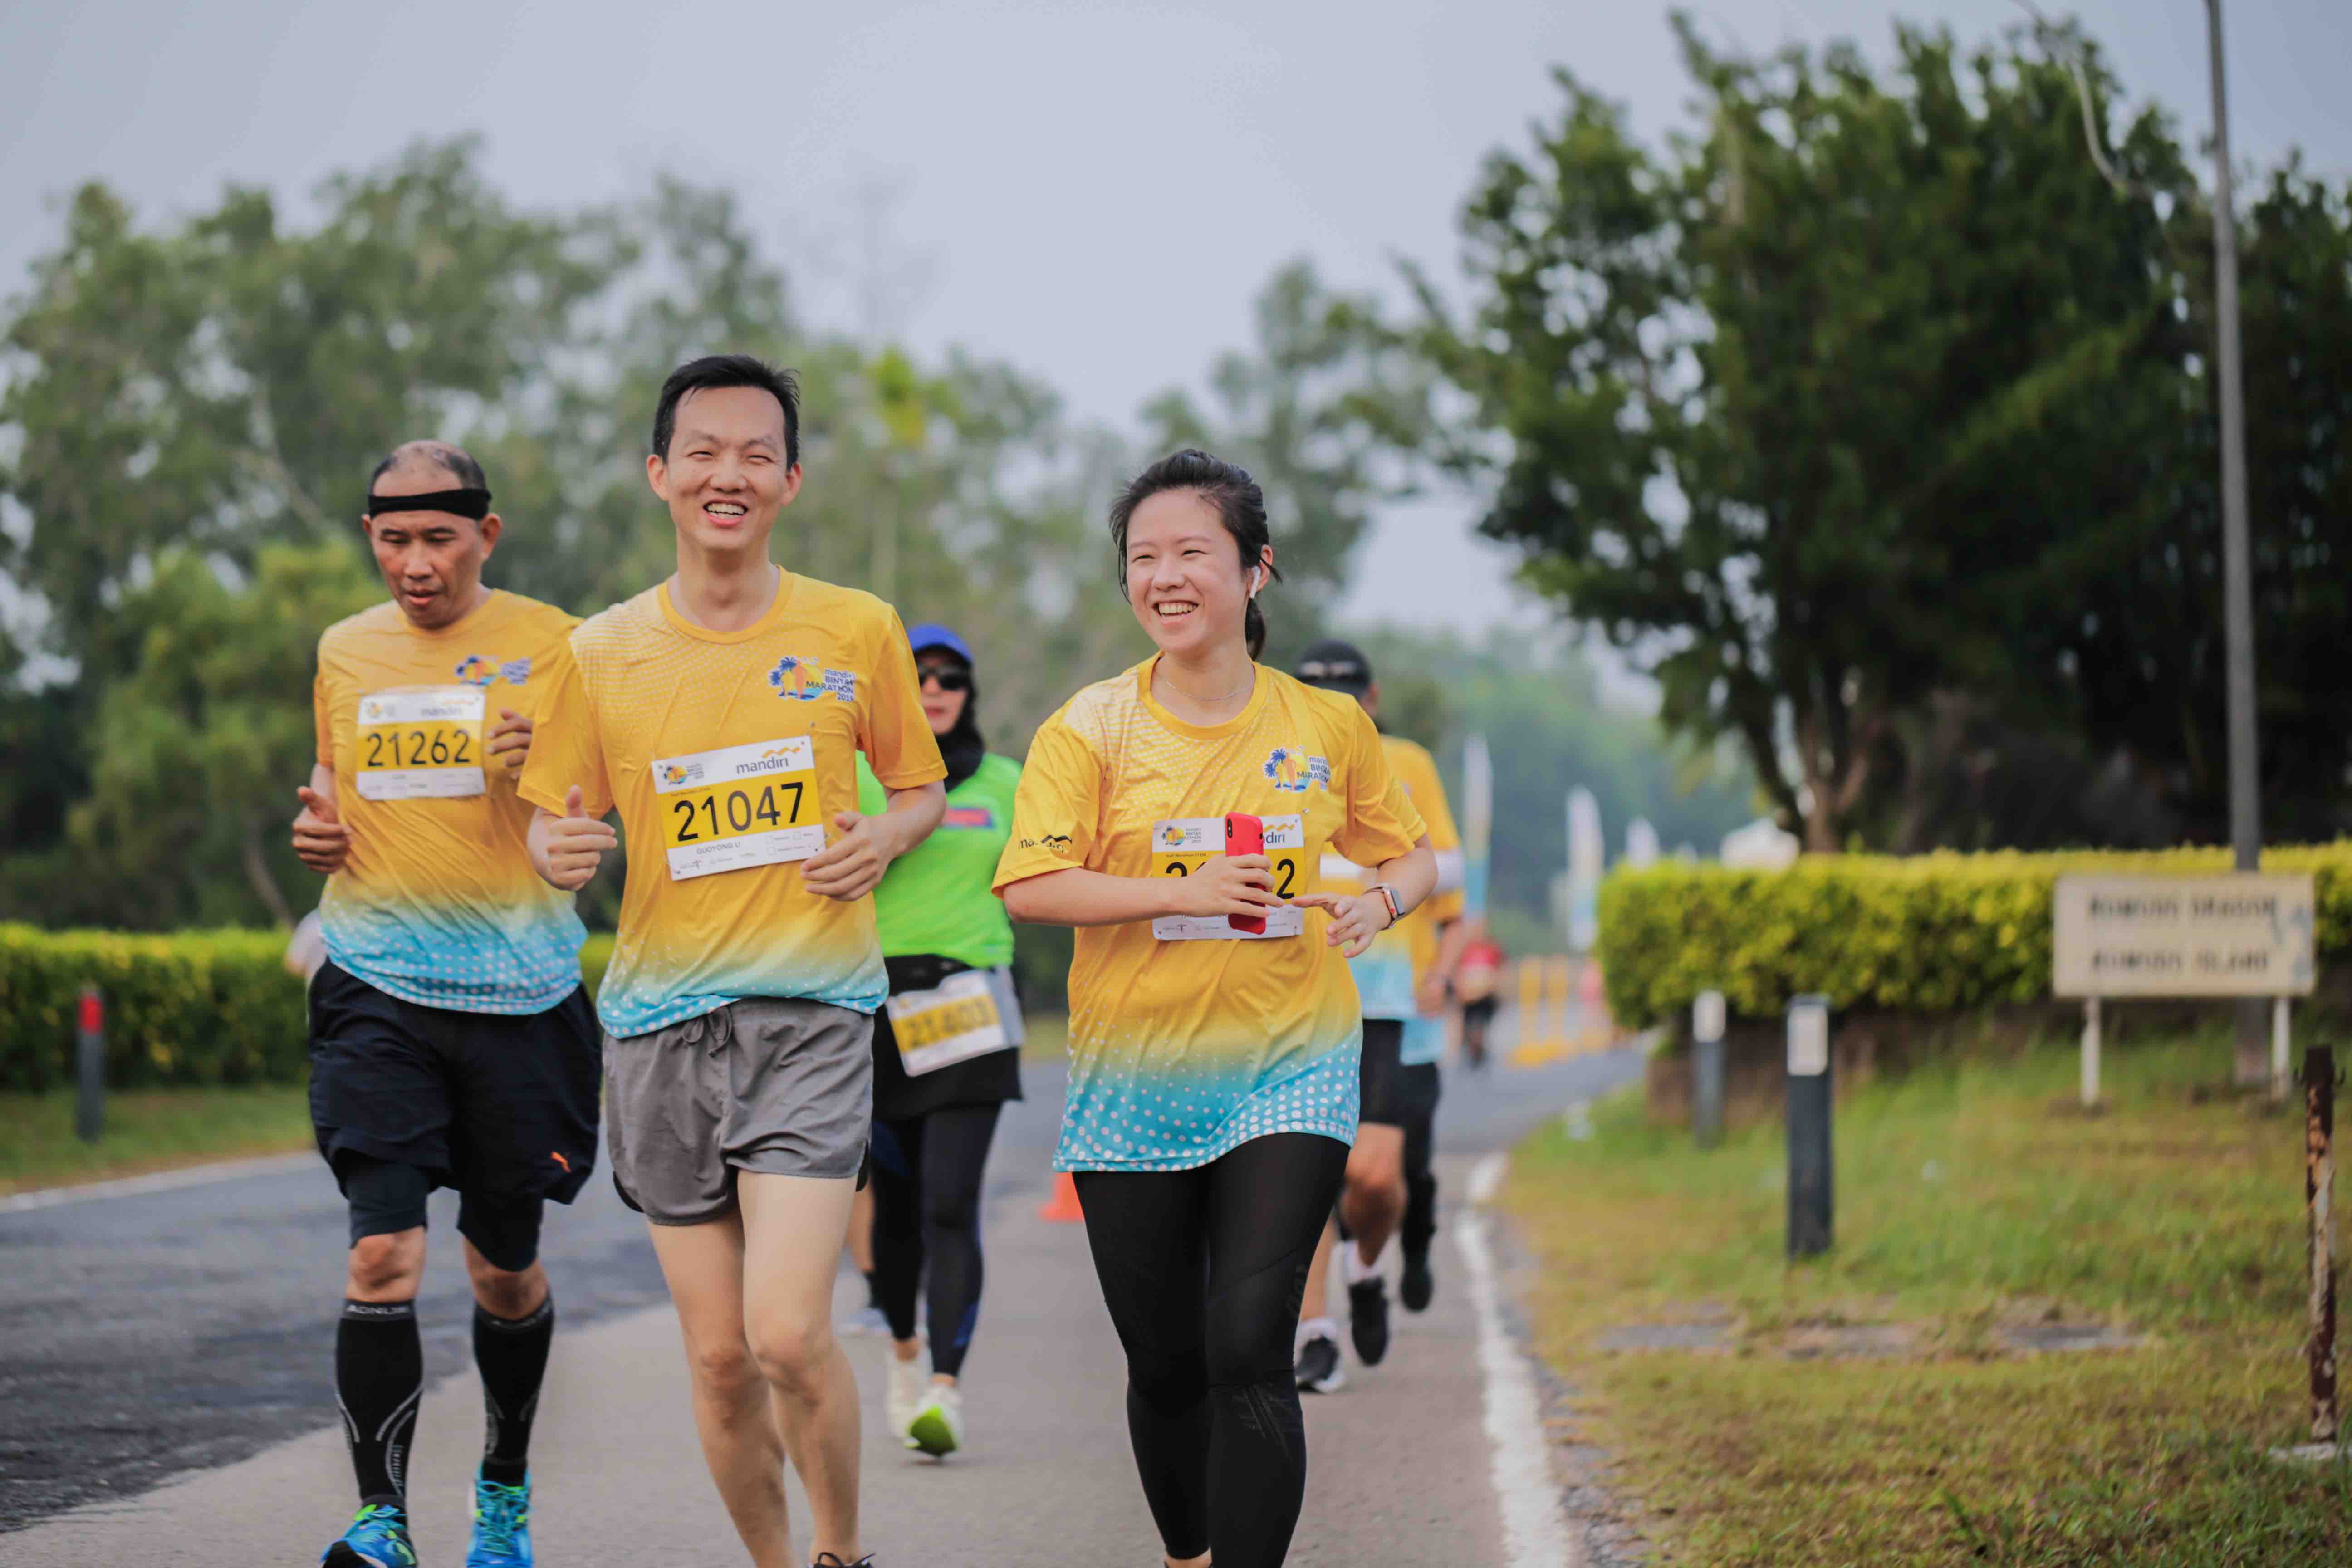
(946, 1051)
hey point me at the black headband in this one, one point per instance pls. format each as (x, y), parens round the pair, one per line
(473, 503)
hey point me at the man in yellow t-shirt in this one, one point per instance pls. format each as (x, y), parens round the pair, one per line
(722, 713)
(451, 1043)
(1400, 981)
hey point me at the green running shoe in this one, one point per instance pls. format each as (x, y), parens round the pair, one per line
(937, 1426)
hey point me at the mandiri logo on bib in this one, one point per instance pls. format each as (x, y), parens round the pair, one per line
(804, 681)
(1293, 769)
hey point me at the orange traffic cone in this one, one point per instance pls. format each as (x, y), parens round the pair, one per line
(1063, 1208)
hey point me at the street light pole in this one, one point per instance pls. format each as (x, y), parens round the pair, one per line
(2236, 567)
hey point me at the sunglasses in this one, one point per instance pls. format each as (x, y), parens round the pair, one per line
(947, 676)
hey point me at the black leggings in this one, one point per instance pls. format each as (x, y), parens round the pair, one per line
(927, 1181)
(1202, 1270)
(1419, 1225)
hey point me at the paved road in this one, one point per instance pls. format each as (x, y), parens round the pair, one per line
(189, 1334)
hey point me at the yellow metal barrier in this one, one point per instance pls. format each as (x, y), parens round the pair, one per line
(1553, 990)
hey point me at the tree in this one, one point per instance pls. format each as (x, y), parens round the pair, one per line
(1316, 410)
(1836, 408)
(198, 748)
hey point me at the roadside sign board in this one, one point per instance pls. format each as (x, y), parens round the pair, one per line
(2245, 935)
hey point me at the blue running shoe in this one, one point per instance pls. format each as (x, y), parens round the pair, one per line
(378, 1537)
(502, 1525)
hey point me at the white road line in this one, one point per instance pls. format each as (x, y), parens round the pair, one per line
(161, 1182)
(1534, 1535)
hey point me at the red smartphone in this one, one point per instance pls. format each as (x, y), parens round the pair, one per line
(1245, 835)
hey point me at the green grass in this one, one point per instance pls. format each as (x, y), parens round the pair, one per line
(1969, 1196)
(146, 1130)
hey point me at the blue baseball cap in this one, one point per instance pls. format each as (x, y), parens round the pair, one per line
(930, 634)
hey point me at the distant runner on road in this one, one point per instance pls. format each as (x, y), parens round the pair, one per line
(947, 1051)
(1212, 1069)
(722, 713)
(1401, 979)
(451, 1043)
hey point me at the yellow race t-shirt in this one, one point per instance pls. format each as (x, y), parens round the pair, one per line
(1188, 1038)
(1389, 972)
(438, 903)
(729, 754)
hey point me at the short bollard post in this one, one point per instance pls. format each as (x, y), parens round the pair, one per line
(90, 1066)
(1810, 1196)
(1707, 1068)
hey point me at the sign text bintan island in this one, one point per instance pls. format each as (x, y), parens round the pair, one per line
(2183, 936)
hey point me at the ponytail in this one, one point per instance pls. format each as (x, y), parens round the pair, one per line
(1241, 506)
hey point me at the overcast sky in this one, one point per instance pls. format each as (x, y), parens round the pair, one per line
(1090, 189)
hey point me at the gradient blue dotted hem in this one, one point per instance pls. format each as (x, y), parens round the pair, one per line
(1183, 1122)
(508, 984)
(625, 1018)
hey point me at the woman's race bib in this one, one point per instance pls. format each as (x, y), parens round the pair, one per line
(420, 743)
(738, 807)
(970, 1014)
(1183, 845)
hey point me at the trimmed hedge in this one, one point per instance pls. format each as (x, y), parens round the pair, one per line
(1922, 933)
(186, 1007)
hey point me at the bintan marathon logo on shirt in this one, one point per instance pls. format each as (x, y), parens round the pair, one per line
(515, 671)
(478, 669)
(1292, 769)
(804, 681)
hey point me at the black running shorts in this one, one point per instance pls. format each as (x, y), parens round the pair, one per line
(1383, 1089)
(496, 1105)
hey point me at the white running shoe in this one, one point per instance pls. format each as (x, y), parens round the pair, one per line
(910, 1382)
(864, 1321)
(938, 1427)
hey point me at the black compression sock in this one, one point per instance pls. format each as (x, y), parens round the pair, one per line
(511, 1354)
(379, 1378)
(873, 1293)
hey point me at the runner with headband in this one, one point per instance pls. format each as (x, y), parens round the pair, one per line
(1214, 1027)
(946, 1052)
(451, 1043)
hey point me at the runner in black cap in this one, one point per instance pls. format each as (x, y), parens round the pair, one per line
(1401, 979)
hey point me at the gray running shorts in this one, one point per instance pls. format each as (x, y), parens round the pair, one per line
(781, 1086)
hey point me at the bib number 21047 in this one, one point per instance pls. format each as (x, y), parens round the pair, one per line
(738, 807)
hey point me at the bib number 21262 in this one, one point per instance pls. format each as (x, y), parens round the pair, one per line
(738, 807)
(424, 743)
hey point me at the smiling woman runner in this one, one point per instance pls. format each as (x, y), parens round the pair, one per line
(1213, 1070)
(946, 1051)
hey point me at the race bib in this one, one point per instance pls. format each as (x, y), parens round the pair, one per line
(738, 807)
(1180, 846)
(419, 744)
(967, 1015)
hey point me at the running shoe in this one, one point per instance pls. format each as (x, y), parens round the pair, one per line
(1319, 1371)
(827, 1560)
(1368, 1319)
(502, 1525)
(938, 1427)
(1418, 1285)
(903, 1394)
(378, 1537)
(864, 1321)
